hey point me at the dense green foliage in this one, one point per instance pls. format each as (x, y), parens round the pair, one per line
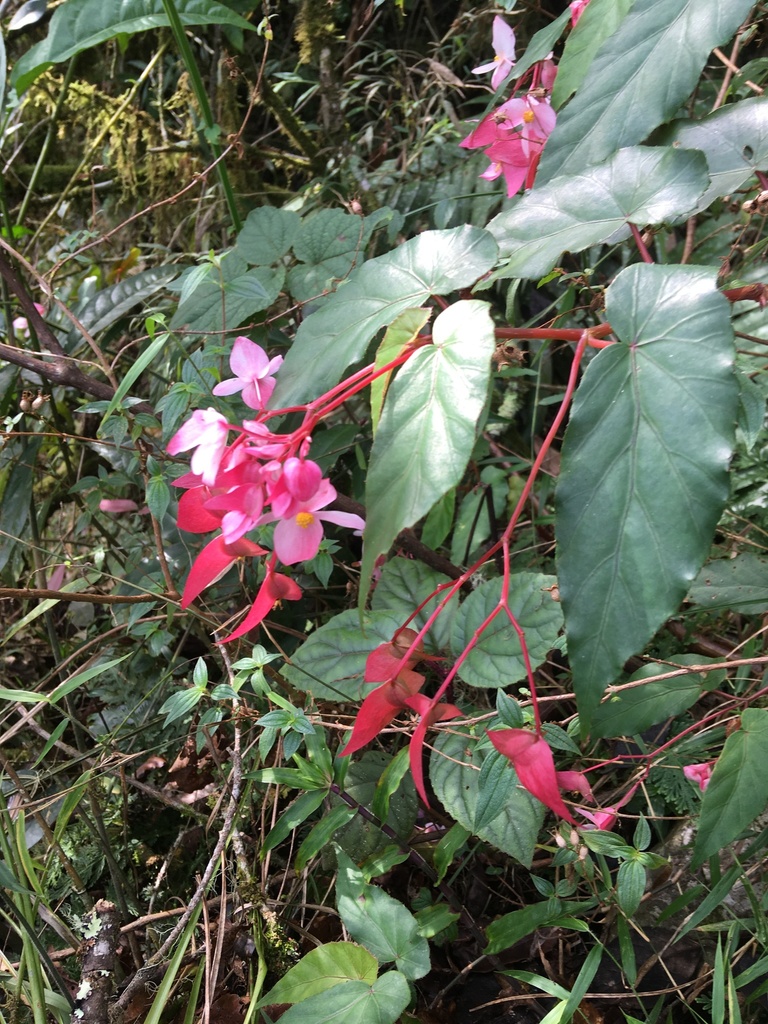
(382, 583)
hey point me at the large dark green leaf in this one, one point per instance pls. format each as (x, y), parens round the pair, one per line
(645, 467)
(403, 585)
(738, 790)
(497, 658)
(734, 139)
(599, 20)
(637, 185)
(453, 771)
(79, 24)
(639, 78)
(337, 335)
(428, 427)
(331, 662)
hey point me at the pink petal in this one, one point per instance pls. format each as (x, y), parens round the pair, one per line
(117, 505)
(302, 478)
(348, 519)
(294, 543)
(532, 759)
(275, 587)
(213, 562)
(248, 360)
(229, 387)
(194, 517)
(503, 39)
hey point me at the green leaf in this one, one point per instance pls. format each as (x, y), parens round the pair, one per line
(630, 885)
(636, 186)
(111, 304)
(322, 833)
(632, 711)
(329, 245)
(541, 45)
(16, 494)
(158, 496)
(181, 703)
(401, 332)
(323, 968)
(734, 140)
(382, 924)
(508, 929)
(360, 838)
(267, 235)
(354, 1002)
(739, 583)
(338, 334)
(446, 850)
(598, 21)
(298, 812)
(644, 473)
(453, 771)
(132, 374)
(738, 790)
(497, 657)
(217, 297)
(403, 585)
(621, 98)
(428, 427)
(79, 24)
(751, 409)
(330, 664)
(492, 789)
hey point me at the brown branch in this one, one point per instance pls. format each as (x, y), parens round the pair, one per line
(28, 593)
(99, 966)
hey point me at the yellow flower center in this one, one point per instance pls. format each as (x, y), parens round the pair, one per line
(528, 116)
(304, 519)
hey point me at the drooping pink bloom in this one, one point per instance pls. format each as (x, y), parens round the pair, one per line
(577, 9)
(118, 505)
(504, 48)
(430, 713)
(297, 536)
(532, 759)
(605, 818)
(214, 560)
(21, 324)
(509, 159)
(206, 431)
(275, 588)
(699, 773)
(253, 371)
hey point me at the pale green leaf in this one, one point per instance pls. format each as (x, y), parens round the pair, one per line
(428, 427)
(598, 21)
(382, 924)
(354, 1002)
(322, 968)
(267, 235)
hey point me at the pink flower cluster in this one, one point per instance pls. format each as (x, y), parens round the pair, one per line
(513, 135)
(259, 478)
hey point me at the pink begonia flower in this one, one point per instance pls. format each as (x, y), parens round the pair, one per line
(699, 773)
(214, 560)
(577, 9)
(297, 536)
(275, 588)
(118, 505)
(298, 481)
(206, 431)
(532, 759)
(504, 48)
(21, 324)
(511, 160)
(382, 706)
(253, 371)
(430, 713)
